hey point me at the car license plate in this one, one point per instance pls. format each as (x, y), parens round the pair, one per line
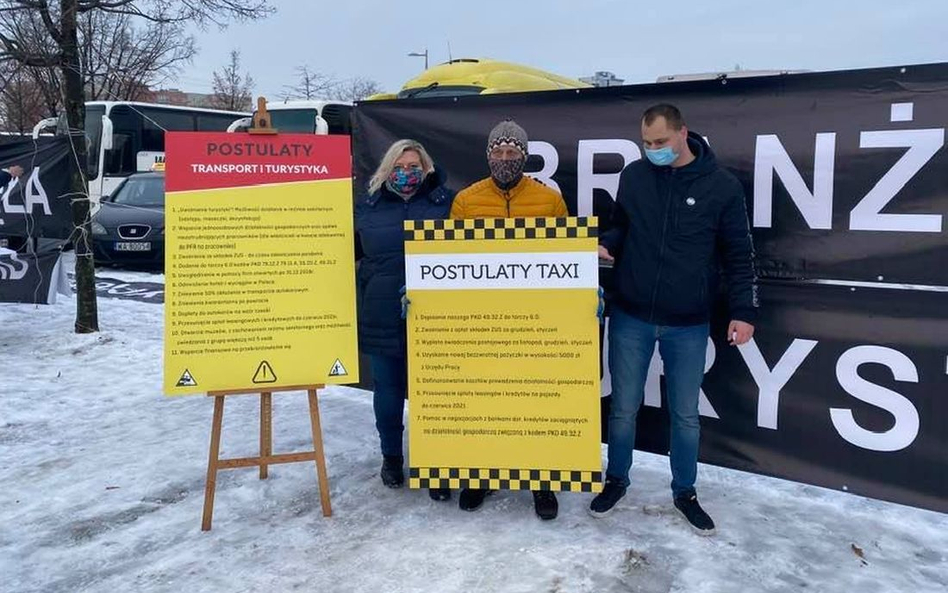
(133, 246)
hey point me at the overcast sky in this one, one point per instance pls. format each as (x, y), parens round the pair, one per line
(636, 40)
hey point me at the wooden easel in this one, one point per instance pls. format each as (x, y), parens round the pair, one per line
(262, 125)
(261, 119)
(266, 457)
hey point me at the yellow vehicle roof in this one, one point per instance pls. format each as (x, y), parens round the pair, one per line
(491, 76)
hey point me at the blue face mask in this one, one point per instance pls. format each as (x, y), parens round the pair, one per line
(405, 181)
(662, 157)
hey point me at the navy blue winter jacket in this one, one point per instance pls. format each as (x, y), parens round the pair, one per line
(674, 232)
(380, 249)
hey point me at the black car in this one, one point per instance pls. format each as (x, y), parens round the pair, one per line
(129, 227)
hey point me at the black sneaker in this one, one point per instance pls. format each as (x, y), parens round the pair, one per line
(439, 494)
(471, 499)
(544, 502)
(392, 473)
(694, 514)
(605, 501)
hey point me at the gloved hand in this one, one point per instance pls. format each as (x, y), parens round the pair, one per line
(601, 307)
(405, 302)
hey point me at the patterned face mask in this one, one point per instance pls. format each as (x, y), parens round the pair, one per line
(506, 173)
(405, 182)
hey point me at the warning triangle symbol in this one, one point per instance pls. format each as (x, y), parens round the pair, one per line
(264, 373)
(338, 369)
(186, 380)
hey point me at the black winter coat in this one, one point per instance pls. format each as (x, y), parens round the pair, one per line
(674, 232)
(380, 250)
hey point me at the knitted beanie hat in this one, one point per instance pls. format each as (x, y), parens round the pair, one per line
(508, 133)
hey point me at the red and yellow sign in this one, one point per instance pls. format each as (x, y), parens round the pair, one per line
(259, 262)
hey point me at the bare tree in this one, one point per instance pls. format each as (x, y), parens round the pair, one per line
(121, 61)
(21, 99)
(355, 89)
(315, 85)
(54, 46)
(310, 85)
(29, 31)
(233, 91)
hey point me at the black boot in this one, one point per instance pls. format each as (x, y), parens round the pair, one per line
(392, 473)
(606, 500)
(471, 499)
(439, 494)
(698, 519)
(544, 502)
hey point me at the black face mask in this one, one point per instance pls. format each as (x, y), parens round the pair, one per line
(506, 173)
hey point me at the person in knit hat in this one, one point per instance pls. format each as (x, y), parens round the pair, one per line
(507, 151)
(508, 193)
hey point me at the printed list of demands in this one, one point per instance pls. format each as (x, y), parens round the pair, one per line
(237, 273)
(510, 375)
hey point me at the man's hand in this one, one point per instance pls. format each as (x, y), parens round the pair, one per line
(403, 297)
(739, 333)
(15, 171)
(605, 255)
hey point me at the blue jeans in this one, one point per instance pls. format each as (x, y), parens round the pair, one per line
(390, 375)
(631, 347)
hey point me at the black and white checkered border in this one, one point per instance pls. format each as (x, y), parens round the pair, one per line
(570, 227)
(505, 479)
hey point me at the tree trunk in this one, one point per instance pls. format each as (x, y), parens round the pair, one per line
(87, 316)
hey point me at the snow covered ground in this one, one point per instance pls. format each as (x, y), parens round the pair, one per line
(102, 489)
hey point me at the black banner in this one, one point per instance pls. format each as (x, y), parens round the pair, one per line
(38, 203)
(31, 277)
(112, 288)
(846, 178)
(845, 173)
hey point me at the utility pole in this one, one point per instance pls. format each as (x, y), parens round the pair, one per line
(417, 54)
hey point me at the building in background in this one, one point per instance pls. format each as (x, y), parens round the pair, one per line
(181, 98)
(736, 73)
(603, 78)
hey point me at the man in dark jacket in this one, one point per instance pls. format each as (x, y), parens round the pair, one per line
(679, 220)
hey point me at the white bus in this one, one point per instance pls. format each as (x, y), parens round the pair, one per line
(125, 137)
(304, 117)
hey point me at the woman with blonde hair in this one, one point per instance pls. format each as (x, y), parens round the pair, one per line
(406, 186)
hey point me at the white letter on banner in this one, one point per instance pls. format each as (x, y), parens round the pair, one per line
(587, 181)
(10, 272)
(770, 382)
(7, 206)
(903, 432)
(35, 194)
(816, 207)
(922, 146)
(551, 161)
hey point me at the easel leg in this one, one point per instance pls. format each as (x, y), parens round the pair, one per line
(266, 430)
(213, 456)
(320, 455)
